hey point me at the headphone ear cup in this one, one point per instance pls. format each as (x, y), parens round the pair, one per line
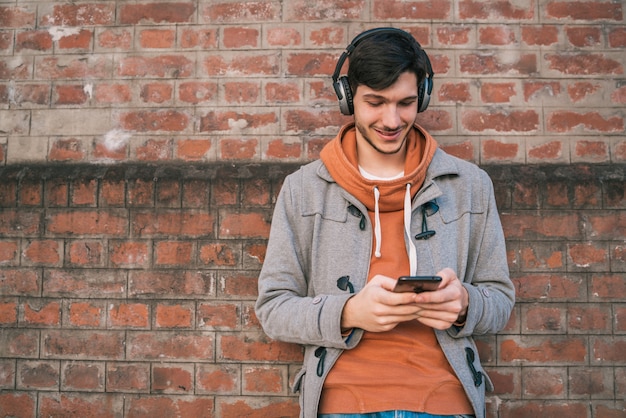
(345, 102)
(423, 94)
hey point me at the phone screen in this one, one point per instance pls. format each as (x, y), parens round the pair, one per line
(417, 284)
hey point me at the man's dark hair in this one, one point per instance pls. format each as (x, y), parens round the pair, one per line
(378, 60)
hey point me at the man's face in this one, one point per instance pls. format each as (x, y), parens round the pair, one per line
(384, 117)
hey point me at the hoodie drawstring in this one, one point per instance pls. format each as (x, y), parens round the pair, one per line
(407, 231)
(377, 233)
(407, 227)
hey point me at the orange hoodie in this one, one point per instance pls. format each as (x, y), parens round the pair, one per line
(402, 369)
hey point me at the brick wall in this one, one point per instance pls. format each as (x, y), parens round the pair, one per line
(142, 145)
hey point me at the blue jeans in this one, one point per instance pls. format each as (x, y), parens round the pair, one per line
(392, 414)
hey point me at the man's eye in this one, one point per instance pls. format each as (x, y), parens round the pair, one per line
(374, 104)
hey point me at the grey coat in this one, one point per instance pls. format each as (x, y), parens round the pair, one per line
(318, 256)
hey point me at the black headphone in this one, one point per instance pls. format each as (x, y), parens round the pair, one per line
(342, 86)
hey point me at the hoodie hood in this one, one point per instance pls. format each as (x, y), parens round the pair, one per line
(391, 197)
(340, 158)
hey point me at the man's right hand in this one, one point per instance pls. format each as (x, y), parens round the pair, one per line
(376, 308)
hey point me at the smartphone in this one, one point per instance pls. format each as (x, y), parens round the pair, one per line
(417, 284)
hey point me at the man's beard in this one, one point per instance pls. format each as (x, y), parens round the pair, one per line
(363, 132)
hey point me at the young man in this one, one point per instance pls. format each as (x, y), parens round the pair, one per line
(383, 202)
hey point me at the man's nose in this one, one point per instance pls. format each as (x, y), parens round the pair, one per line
(391, 117)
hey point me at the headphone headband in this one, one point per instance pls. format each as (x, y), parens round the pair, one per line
(342, 87)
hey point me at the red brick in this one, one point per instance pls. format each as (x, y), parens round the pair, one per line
(496, 35)
(83, 14)
(514, 121)
(493, 150)
(38, 375)
(163, 346)
(254, 347)
(241, 92)
(154, 150)
(112, 93)
(193, 149)
(157, 38)
(174, 316)
(543, 319)
(311, 120)
(195, 193)
(586, 11)
(607, 286)
(84, 192)
(221, 379)
(220, 254)
(286, 92)
(590, 381)
(111, 38)
(156, 92)
(155, 120)
(181, 223)
(496, 10)
(37, 94)
(544, 350)
(264, 380)
(86, 253)
(588, 257)
(608, 350)
(243, 64)
(112, 192)
(251, 12)
(63, 68)
(81, 40)
(176, 283)
(197, 92)
(543, 35)
(87, 222)
(542, 256)
(272, 407)
(617, 37)
(199, 38)
(78, 404)
(86, 314)
(540, 286)
(242, 224)
(545, 382)
(497, 92)
(309, 64)
(36, 40)
(83, 376)
(30, 193)
(129, 315)
(568, 121)
(219, 316)
(81, 344)
(279, 149)
(290, 37)
(128, 377)
(489, 64)
(85, 283)
(173, 379)
(20, 282)
(240, 37)
(19, 343)
(396, 9)
(238, 149)
(43, 252)
(140, 192)
(67, 150)
(583, 64)
(161, 66)
(8, 313)
(15, 17)
(42, 313)
(589, 319)
(453, 35)
(8, 252)
(7, 377)
(166, 12)
(459, 92)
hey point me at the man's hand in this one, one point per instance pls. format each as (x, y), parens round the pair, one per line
(376, 308)
(445, 306)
